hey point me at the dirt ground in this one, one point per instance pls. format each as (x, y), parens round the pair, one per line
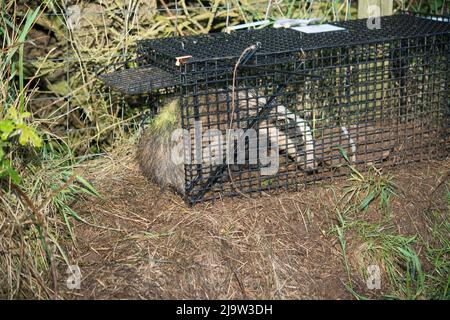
(148, 244)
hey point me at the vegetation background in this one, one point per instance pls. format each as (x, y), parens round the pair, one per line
(55, 115)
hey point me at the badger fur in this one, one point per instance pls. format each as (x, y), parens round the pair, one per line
(309, 150)
(155, 150)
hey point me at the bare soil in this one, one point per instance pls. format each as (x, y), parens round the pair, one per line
(148, 244)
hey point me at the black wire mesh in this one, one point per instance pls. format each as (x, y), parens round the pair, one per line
(303, 107)
(140, 80)
(277, 41)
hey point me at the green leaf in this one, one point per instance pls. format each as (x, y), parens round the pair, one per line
(344, 154)
(89, 187)
(28, 135)
(12, 114)
(367, 200)
(354, 293)
(8, 171)
(6, 127)
(24, 115)
(266, 183)
(31, 18)
(72, 213)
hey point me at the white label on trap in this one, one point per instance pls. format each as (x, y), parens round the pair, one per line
(318, 28)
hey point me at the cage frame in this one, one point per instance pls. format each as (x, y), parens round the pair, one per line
(162, 65)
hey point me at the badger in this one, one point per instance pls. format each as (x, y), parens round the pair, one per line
(283, 128)
(309, 149)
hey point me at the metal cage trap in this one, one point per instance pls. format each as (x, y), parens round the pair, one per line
(280, 108)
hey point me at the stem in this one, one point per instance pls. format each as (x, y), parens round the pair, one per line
(21, 79)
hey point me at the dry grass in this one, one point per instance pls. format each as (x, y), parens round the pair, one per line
(151, 245)
(99, 36)
(139, 241)
(75, 105)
